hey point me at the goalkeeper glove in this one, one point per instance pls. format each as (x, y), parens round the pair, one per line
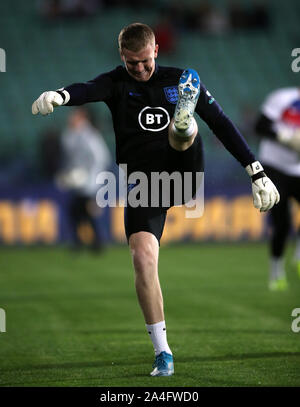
(48, 100)
(288, 135)
(265, 194)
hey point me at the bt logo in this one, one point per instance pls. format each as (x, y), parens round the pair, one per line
(154, 118)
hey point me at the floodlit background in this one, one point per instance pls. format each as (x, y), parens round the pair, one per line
(242, 51)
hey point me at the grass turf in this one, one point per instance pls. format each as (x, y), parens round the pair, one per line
(72, 319)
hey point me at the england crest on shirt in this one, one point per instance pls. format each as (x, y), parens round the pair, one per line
(171, 93)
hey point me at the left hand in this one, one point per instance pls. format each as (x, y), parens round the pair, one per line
(265, 194)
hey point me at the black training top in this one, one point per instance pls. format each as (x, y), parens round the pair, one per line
(141, 112)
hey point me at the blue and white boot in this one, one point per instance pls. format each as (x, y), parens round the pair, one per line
(188, 94)
(163, 365)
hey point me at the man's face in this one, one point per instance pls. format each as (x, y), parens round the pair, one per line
(141, 64)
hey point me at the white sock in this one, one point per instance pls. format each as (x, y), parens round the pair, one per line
(158, 335)
(276, 268)
(188, 132)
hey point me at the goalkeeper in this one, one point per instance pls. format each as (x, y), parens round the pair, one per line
(153, 115)
(278, 125)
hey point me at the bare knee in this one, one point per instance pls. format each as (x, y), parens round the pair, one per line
(143, 258)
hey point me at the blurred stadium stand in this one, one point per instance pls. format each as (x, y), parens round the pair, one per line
(239, 67)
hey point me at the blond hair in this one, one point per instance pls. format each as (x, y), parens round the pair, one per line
(135, 37)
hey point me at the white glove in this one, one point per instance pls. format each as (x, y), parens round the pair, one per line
(48, 100)
(288, 135)
(265, 194)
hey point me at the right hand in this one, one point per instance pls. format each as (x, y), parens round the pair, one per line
(46, 102)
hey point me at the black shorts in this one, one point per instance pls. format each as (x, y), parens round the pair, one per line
(152, 218)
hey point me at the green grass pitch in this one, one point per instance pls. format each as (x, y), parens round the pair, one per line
(72, 319)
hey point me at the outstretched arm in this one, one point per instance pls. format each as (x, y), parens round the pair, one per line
(98, 89)
(265, 194)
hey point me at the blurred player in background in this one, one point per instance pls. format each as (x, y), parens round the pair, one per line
(84, 154)
(153, 115)
(279, 151)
